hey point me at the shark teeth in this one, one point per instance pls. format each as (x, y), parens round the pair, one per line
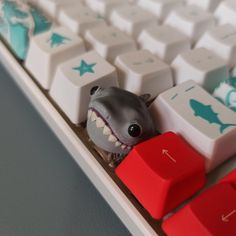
(93, 116)
(117, 144)
(107, 130)
(89, 114)
(100, 123)
(112, 138)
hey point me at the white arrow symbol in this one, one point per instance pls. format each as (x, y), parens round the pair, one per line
(166, 152)
(226, 218)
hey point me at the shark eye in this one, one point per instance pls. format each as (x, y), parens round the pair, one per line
(134, 130)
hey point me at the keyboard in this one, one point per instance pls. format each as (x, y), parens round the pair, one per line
(90, 67)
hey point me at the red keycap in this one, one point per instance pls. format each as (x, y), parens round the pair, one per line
(230, 178)
(213, 213)
(162, 173)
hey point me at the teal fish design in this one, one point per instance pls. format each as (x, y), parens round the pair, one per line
(207, 113)
(57, 39)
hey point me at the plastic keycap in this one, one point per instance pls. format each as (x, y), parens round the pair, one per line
(191, 20)
(161, 8)
(52, 48)
(213, 213)
(80, 19)
(222, 41)
(140, 72)
(162, 172)
(109, 42)
(74, 80)
(226, 12)
(164, 41)
(132, 19)
(201, 65)
(207, 124)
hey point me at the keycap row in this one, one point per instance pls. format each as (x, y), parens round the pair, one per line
(165, 171)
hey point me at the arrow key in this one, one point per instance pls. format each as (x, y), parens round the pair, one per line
(211, 213)
(162, 173)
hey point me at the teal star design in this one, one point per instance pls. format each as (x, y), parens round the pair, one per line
(85, 68)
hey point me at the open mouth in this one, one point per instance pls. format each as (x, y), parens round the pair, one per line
(95, 116)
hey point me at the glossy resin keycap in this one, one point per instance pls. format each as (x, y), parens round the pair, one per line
(162, 173)
(213, 213)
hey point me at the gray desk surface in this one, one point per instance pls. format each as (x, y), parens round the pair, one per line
(42, 191)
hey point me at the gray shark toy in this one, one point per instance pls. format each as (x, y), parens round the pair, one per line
(118, 120)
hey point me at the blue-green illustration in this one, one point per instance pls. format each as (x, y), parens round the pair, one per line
(57, 40)
(207, 113)
(85, 68)
(19, 22)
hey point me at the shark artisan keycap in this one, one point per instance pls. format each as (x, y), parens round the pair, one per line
(162, 172)
(118, 120)
(213, 213)
(207, 124)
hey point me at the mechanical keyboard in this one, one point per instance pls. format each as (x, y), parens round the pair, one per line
(176, 61)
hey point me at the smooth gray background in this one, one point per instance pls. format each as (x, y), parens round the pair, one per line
(42, 191)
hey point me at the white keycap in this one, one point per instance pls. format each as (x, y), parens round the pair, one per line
(202, 66)
(80, 19)
(164, 41)
(109, 42)
(160, 8)
(105, 7)
(52, 7)
(222, 41)
(48, 50)
(132, 19)
(206, 5)
(191, 20)
(208, 125)
(74, 80)
(226, 12)
(142, 73)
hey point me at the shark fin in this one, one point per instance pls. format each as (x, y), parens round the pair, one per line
(225, 126)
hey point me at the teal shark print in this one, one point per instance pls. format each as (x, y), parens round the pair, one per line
(19, 22)
(56, 40)
(85, 68)
(207, 113)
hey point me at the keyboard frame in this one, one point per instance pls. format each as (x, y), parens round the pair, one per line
(118, 201)
(133, 216)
